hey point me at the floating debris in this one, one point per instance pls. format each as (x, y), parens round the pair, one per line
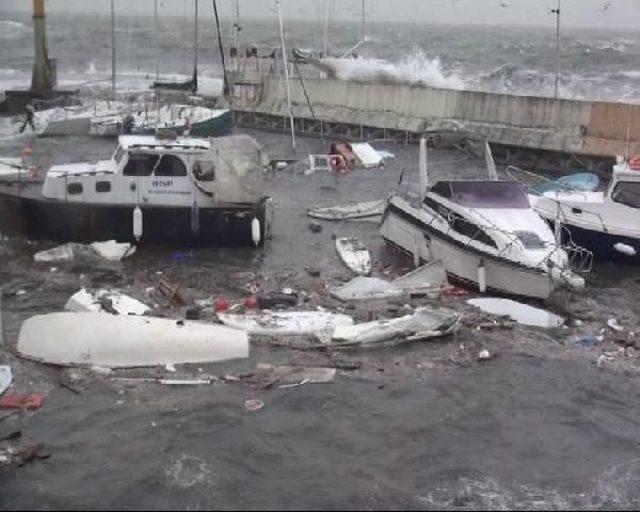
(425, 323)
(521, 313)
(350, 211)
(354, 255)
(255, 404)
(109, 301)
(286, 322)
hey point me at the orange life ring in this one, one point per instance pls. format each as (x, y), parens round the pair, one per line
(634, 163)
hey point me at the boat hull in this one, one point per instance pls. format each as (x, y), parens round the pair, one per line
(461, 264)
(601, 244)
(52, 220)
(212, 127)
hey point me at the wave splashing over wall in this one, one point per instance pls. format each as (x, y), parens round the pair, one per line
(416, 69)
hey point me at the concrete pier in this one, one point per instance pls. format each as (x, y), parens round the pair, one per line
(404, 111)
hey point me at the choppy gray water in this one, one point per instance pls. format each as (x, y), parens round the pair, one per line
(594, 63)
(422, 426)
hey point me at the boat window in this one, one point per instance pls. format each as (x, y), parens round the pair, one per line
(442, 188)
(530, 240)
(74, 189)
(489, 194)
(628, 193)
(140, 164)
(204, 171)
(466, 228)
(170, 165)
(118, 154)
(103, 186)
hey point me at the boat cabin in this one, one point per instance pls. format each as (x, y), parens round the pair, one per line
(173, 171)
(625, 185)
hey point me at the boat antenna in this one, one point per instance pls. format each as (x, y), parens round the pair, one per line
(113, 47)
(224, 68)
(194, 86)
(626, 141)
(285, 65)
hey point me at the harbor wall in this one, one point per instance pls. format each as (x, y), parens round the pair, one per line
(568, 126)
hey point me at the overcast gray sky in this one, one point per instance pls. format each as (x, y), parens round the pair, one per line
(610, 14)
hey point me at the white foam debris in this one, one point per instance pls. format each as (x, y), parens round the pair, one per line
(112, 250)
(61, 253)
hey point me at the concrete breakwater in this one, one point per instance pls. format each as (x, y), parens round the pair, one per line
(334, 107)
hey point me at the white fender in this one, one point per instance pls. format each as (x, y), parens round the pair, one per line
(137, 223)
(255, 230)
(482, 278)
(624, 249)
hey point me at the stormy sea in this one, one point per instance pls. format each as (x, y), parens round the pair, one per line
(546, 423)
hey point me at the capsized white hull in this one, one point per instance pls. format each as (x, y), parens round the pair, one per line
(119, 341)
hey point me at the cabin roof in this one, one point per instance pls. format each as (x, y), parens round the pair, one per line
(153, 142)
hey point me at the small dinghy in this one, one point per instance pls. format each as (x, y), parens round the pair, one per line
(354, 255)
(425, 323)
(288, 322)
(120, 341)
(351, 211)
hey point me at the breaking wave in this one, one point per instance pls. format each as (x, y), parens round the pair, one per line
(414, 69)
(12, 24)
(11, 29)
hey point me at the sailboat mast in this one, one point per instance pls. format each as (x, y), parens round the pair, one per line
(237, 41)
(113, 47)
(195, 49)
(221, 48)
(155, 20)
(286, 76)
(363, 20)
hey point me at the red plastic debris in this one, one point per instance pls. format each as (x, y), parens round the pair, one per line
(29, 402)
(221, 305)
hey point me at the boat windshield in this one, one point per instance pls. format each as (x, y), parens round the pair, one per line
(489, 194)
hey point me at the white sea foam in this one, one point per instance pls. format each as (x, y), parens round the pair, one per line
(413, 69)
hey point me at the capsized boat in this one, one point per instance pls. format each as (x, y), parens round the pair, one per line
(486, 234)
(126, 341)
(350, 211)
(606, 222)
(152, 188)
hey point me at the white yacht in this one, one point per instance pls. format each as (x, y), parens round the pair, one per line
(607, 222)
(487, 236)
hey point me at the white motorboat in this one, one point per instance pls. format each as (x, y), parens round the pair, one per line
(486, 235)
(152, 188)
(607, 222)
